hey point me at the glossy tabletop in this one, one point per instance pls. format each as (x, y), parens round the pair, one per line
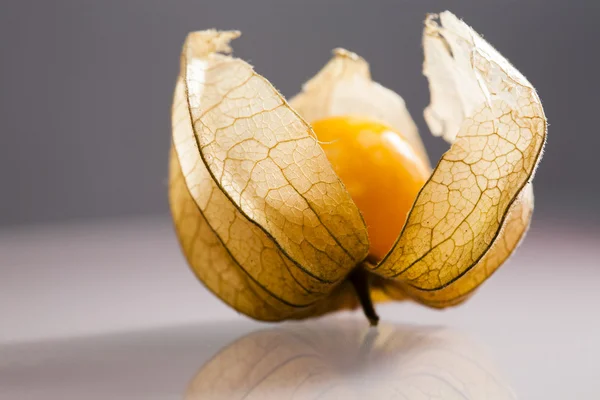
(110, 311)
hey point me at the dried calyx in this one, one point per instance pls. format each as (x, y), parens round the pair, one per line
(260, 208)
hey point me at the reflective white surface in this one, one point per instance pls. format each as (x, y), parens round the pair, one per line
(111, 311)
(329, 359)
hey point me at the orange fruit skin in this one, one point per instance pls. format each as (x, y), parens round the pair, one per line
(381, 171)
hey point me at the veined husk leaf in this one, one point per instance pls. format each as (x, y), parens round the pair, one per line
(475, 208)
(262, 218)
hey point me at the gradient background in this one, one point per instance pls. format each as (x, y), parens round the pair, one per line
(86, 245)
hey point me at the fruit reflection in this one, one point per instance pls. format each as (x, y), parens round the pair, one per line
(344, 359)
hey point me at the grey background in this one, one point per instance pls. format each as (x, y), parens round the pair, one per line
(86, 88)
(85, 93)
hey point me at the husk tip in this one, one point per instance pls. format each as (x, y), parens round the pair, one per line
(341, 52)
(211, 41)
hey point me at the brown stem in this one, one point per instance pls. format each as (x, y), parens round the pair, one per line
(359, 277)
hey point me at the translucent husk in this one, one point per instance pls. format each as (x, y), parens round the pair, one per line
(266, 224)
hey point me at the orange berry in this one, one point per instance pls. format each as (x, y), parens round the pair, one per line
(380, 169)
